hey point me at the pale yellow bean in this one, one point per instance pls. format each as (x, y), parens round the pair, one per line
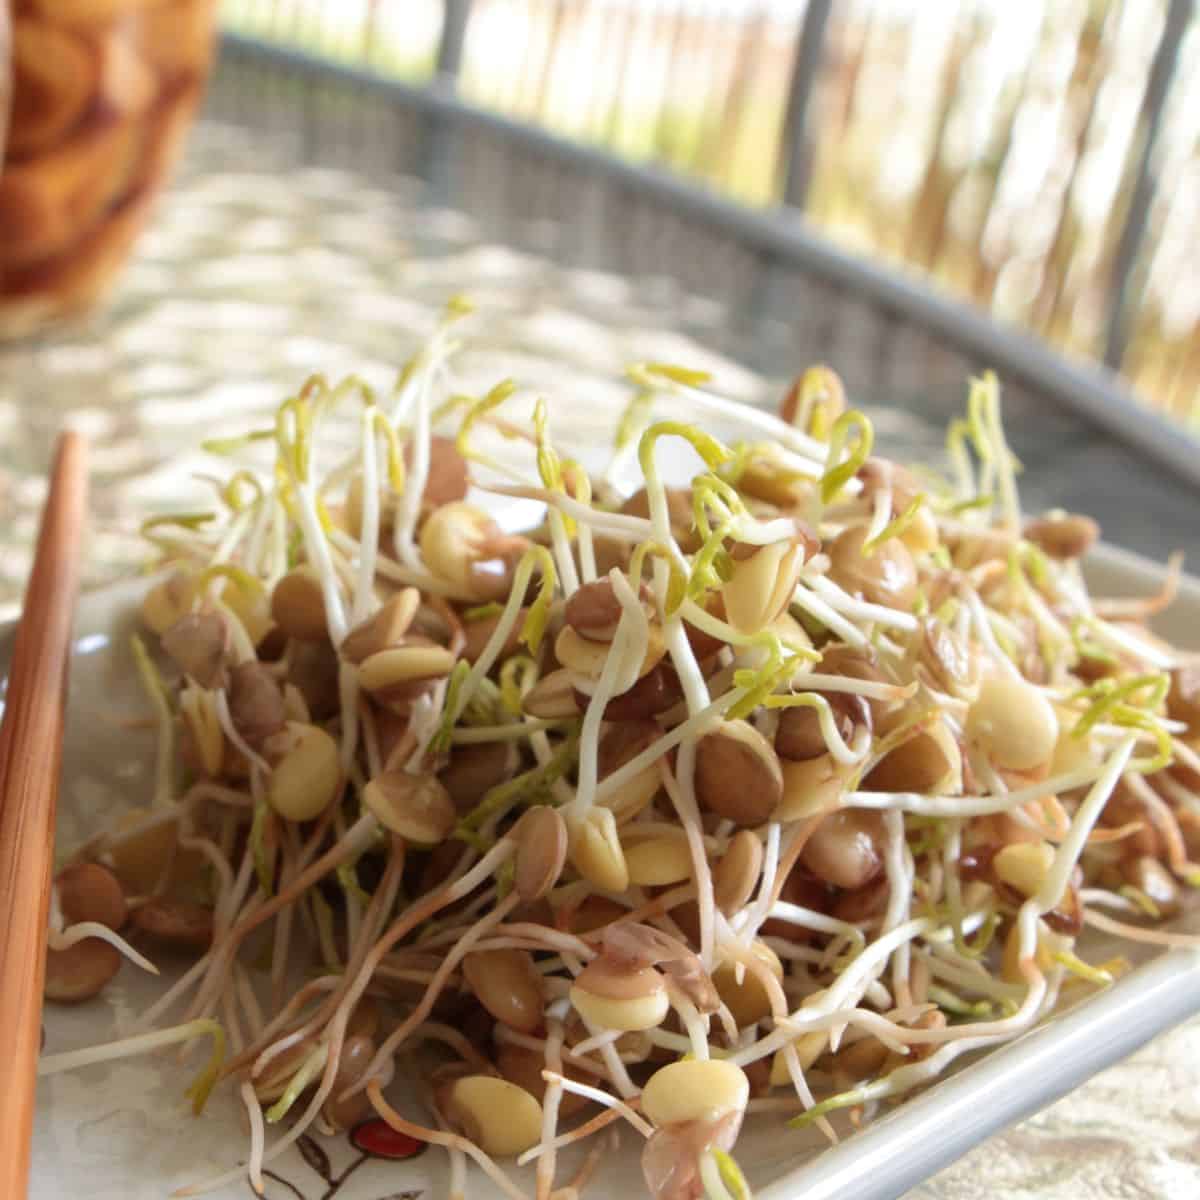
(464, 546)
(307, 775)
(762, 585)
(501, 1118)
(623, 998)
(1024, 866)
(657, 861)
(168, 600)
(811, 786)
(416, 660)
(1013, 723)
(747, 1001)
(809, 1047)
(595, 850)
(694, 1090)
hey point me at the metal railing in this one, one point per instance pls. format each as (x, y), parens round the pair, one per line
(756, 286)
(1034, 158)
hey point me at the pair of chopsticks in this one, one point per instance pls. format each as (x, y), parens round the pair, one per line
(30, 757)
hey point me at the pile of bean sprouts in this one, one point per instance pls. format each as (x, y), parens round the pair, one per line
(774, 793)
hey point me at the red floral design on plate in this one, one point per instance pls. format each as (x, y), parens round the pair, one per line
(378, 1139)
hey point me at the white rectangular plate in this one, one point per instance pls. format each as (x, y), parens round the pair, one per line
(124, 1132)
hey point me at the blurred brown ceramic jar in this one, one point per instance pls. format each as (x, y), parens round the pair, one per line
(100, 94)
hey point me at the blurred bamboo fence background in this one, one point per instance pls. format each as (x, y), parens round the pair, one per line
(1040, 157)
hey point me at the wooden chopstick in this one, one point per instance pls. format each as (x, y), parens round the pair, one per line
(30, 757)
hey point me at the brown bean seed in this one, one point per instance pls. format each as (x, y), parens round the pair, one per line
(384, 629)
(80, 972)
(449, 477)
(524, 1067)
(819, 389)
(508, 985)
(473, 768)
(198, 643)
(930, 763)
(1151, 878)
(90, 892)
(139, 861)
(736, 872)
(798, 735)
(480, 632)
(619, 745)
(1183, 699)
(863, 903)
(594, 611)
(592, 913)
(860, 1060)
(275, 1076)
(1063, 535)
(175, 922)
(255, 702)
(679, 514)
(357, 1052)
(887, 577)
(417, 807)
(845, 849)
(738, 774)
(656, 692)
(541, 837)
(313, 670)
(298, 605)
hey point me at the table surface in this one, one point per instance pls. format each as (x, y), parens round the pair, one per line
(250, 279)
